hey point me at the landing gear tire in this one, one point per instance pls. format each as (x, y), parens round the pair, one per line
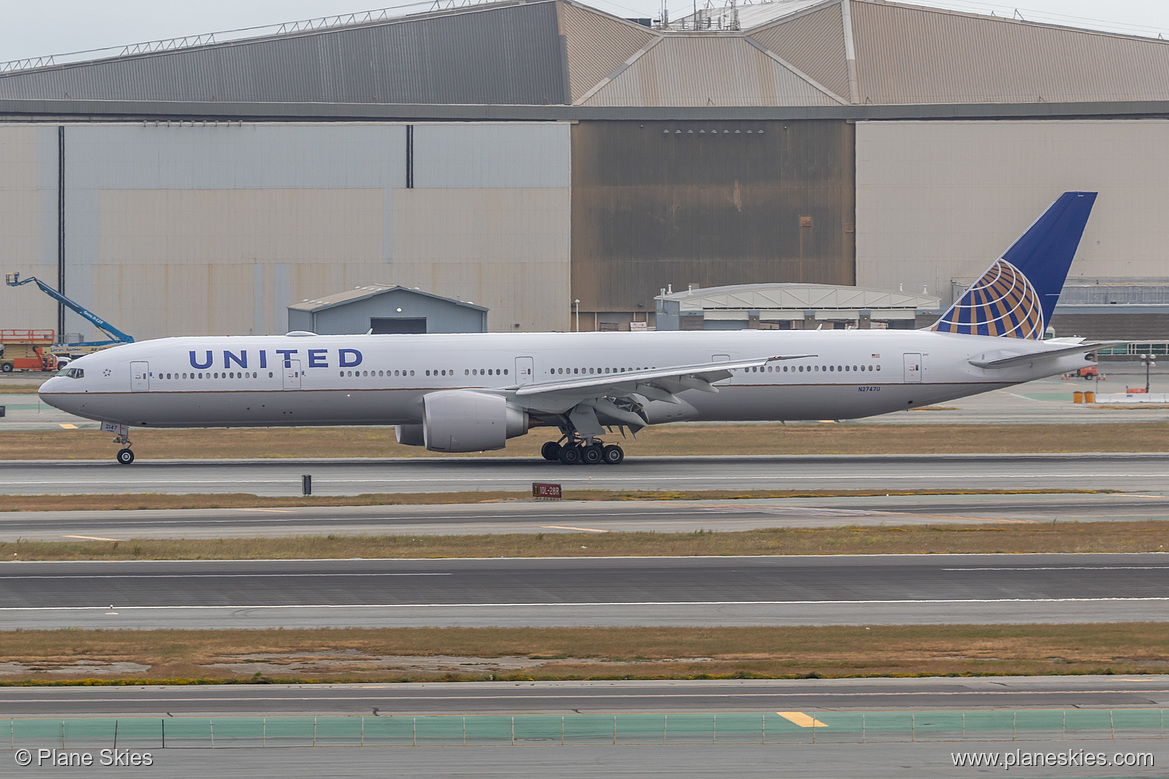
(550, 451)
(593, 455)
(570, 455)
(125, 456)
(613, 455)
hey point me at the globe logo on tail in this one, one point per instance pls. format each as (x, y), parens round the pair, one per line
(1001, 303)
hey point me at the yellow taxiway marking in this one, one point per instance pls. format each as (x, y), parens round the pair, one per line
(67, 426)
(92, 538)
(581, 529)
(801, 719)
(271, 511)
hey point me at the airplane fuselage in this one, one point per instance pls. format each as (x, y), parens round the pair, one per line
(382, 379)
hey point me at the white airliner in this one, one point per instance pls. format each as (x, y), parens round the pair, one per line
(469, 393)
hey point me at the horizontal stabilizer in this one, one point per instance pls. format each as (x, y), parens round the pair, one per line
(1005, 359)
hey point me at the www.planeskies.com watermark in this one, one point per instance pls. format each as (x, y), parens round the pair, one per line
(1067, 758)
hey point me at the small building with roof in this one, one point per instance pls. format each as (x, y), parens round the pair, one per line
(384, 309)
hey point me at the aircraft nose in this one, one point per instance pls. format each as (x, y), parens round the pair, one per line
(47, 387)
(51, 392)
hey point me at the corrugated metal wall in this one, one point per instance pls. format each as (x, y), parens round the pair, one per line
(596, 44)
(205, 229)
(499, 55)
(701, 70)
(923, 55)
(942, 200)
(813, 43)
(711, 203)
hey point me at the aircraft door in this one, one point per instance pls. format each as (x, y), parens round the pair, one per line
(524, 370)
(913, 368)
(292, 374)
(140, 376)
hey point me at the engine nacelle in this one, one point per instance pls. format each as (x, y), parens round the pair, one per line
(464, 421)
(410, 435)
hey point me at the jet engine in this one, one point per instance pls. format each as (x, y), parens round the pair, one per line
(465, 421)
(410, 435)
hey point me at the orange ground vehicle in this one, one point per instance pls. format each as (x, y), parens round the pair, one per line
(27, 350)
(1088, 373)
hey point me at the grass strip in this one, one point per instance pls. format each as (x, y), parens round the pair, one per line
(158, 501)
(1071, 537)
(478, 654)
(687, 439)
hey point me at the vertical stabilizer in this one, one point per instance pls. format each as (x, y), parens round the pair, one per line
(1017, 295)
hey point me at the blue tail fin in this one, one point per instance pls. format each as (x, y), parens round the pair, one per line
(1017, 295)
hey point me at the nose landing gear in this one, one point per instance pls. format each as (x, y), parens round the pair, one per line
(124, 456)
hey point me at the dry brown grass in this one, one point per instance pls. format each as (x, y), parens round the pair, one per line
(19, 389)
(1081, 537)
(665, 440)
(159, 501)
(592, 653)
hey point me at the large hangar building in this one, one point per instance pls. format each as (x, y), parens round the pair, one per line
(529, 155)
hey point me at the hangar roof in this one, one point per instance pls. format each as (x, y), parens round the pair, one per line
(795, 296)
(815, 53)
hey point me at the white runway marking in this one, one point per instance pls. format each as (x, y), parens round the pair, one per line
(1073, 568)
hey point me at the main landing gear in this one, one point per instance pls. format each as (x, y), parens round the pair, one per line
(574, 450)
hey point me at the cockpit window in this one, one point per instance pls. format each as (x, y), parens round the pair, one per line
(72, 373)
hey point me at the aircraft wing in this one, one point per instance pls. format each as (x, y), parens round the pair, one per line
(617, 398)
(1005, 359)
(670, 380)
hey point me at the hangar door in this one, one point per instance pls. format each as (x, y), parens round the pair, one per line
(391, 325)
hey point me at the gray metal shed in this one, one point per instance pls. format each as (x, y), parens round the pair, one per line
(386, 308)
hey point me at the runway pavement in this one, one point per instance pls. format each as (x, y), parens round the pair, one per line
(995, 692)
(521, 516)
(1132, 472)
(543, 592)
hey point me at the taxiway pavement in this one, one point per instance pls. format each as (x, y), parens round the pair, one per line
(991, 692)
